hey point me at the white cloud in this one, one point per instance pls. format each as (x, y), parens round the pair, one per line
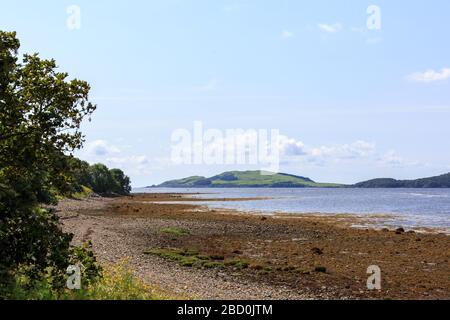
(139, 160)
(358, 149)
(101, 148)
(291, 147)
(295, 152)
(133, 165)
(330, 28)
(287, 35)
(102, 151)
(430, 76)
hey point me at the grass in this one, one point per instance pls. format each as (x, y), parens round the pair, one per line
(238, 263)
(174, 231)
(82, 194)
(191, 258)
(117, 283)
(252, 178)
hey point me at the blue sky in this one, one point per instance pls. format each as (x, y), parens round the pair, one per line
(352, 103)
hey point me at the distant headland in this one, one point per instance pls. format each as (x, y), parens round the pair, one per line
(258, 179)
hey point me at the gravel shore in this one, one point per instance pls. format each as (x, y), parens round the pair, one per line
(117, 237)
(414, 265)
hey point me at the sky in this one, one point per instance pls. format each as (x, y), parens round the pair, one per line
(357, 90)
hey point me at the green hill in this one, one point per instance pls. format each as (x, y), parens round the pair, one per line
(442, 181)
(250, 179)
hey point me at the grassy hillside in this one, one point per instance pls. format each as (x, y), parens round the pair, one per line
(442, 181)
(242, 179)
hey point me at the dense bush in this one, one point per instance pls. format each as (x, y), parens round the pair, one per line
(28, 282)
(117, 282)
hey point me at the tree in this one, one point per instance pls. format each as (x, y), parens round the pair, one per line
(105, 181)
(100, 179)
(78, 174)
(41, 111)
(122, 182)
(40, 117)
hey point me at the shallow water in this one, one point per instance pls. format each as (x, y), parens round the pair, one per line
(429, 208)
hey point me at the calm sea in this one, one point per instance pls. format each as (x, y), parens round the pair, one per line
(405, 207)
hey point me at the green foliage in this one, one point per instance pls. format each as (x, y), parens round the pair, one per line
(121, 181)
(442, 181)
(105, 181)
(174, 231)
(31, 280)
(238, 263)
(253, 179)
(192, 258)
(116, 283)
(84, 256)
(83, 194)
(41, 112)
(40, 116)
(101, 179)
(79, 175)
(33, 238)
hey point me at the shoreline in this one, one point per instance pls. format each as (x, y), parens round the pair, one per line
(285, 258)
(375, 220)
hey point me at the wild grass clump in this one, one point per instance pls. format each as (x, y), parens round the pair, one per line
(238, 263)
(83, 194)
(174, 231)
(117, 282)
(188, 258)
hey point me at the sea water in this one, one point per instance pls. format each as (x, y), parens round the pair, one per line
(428, 208)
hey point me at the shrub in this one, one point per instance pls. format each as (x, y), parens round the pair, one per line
(33, 238)
(29, 282)
(116, 283)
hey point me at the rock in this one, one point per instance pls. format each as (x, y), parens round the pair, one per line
(316, 250)
(320, 269)
(399, 231)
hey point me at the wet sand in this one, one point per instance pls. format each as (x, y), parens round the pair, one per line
(281, 257)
